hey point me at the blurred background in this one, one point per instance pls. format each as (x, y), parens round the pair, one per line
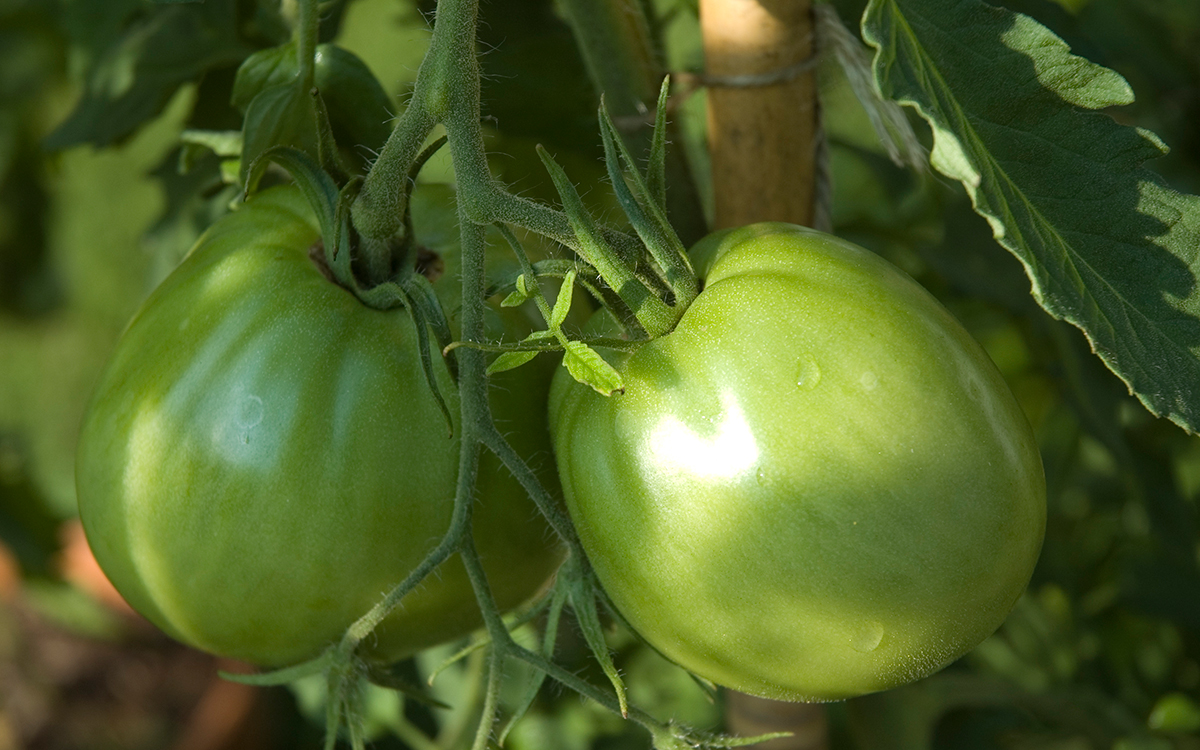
(98, 201)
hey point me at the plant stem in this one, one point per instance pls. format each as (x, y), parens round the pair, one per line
(307, 30)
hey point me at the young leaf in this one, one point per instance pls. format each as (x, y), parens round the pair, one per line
(513, 360)
(562, 305)
(510, 361)
(280, 116)
(1107, 246)
(518, 296)
(589, 368)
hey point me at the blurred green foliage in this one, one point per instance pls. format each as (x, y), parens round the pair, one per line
(1103, 653)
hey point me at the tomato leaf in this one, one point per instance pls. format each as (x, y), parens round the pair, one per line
(589, 368)
(359, 109)
(513, 360)
(132, 78)
(1106, 244)
(279, 116)
(509, 361)
(264, 69)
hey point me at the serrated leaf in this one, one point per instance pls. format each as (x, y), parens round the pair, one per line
(589, 368)
(131, 81)
(1107, 246)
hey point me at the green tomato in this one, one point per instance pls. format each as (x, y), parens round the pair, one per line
(817, 486)
(263, 460)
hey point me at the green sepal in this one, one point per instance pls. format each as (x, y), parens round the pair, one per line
(652, 313)
(589, 368)
(285, 675)
(318, 187)
(416, 294)
(328, 154)
(656, 165)
(583, 601)
(646, 215)
(549, 638)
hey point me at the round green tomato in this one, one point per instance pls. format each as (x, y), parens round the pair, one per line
(263, 460)
(817, 486)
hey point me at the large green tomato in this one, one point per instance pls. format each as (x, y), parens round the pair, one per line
(817, 486)
(263, 461)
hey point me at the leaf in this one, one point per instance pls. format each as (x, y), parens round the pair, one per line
(359, 108)
(1106, 245)
(280, 116)
(263, 70)
(589, 368)
(513, 360)
(518, 296)
(132, 79)
(562, 305)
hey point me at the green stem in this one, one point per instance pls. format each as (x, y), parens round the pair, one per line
(307, 30)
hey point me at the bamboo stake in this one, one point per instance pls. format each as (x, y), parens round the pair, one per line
(761, 136)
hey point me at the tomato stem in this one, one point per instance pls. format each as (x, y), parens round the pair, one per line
(307, 31)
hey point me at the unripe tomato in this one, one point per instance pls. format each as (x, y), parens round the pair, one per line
(817, 486)
(263, 460)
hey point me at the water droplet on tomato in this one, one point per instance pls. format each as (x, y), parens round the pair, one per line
(808, 375)
(761, 476)
(869, 380)
(250, 412)
(868, 637)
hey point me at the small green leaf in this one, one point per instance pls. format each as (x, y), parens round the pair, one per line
(221, 142)
(509, 361)
(656, 166)
(562, 305)
(279, 116)
(518, 296)
(359, 108)
(513, 360)
(268, 68)
(589, 368)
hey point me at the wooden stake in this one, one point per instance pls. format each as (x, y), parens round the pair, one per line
(761, 136)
